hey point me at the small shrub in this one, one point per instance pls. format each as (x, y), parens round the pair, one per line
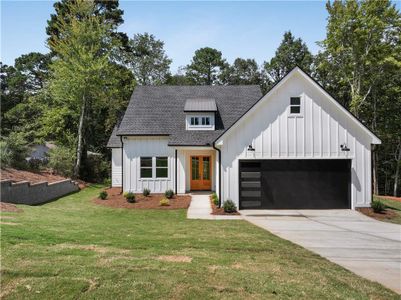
(146, 192)
(62, 160)
(130, 196)
(164, 202)
(103, 195)
(215, 199)
(378, 206)
(229, 206)
(169, 194)
(107, 181)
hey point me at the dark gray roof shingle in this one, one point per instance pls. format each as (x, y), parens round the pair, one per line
(114, 140)
(159, 110)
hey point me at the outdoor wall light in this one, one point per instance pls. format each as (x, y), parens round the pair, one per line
(250, 148)
(344, 147)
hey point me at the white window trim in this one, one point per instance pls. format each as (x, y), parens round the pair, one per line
(301, 106)
(211, 125)
(153, 178)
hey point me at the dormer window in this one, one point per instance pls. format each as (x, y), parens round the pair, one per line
(200, 114)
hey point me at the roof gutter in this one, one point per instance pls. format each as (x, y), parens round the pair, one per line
(122, 165)
(219, 181)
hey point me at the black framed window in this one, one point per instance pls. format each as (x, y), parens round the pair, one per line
(161, 167)
(194, 121)
(146, 167)
(295, 105)
(205, 121)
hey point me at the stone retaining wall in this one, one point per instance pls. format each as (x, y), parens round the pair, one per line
(26, 193)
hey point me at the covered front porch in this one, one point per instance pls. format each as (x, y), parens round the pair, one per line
(197, 169)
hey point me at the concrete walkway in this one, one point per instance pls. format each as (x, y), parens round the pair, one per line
(200, 208)
(369, 248)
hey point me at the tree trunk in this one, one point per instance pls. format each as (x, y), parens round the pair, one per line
(80, 138)
(375, 177)
(397, 171)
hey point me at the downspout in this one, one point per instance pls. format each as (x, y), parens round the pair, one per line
(122, 165)
(219, 183)
(176, 171)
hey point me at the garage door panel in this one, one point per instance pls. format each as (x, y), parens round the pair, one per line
(296, 184)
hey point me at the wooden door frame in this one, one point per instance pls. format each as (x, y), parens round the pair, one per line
(201, 171)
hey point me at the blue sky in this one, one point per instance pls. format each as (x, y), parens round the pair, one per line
(238, 29)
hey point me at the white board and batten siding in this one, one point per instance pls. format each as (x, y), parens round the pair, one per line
(116, 167)
(316, 133)
(137, 147)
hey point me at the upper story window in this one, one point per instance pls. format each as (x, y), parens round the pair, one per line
(200, 121)
(295, 105)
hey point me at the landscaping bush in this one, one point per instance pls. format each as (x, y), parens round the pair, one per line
(378, 206)
(61, 160)
(103, 195)
(94, 168)
(164, 202)
(215, 199)
(130, 197)
(14, 149)
(107, 181)
(169, 194)
(146, 192)
(229, 206)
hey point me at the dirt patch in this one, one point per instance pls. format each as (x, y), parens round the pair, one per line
(389, 197)
(9, 207)
(95, 248)
(175, 258)
(220, 211)
(116, 199)
(8, 223)
(385, 215)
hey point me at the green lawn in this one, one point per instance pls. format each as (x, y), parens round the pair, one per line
(394, 206)
(73, 249)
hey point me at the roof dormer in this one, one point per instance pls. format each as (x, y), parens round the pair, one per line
(200, 114)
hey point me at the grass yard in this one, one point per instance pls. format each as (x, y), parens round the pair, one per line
(395, 207)
(75, 249)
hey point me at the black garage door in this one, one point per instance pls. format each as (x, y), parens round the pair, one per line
(295, 184)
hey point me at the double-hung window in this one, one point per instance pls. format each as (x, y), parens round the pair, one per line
(146, 167)
(295, 105)
(161, 167)
(154, 167)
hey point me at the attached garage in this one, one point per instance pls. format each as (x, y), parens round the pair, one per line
(295, 184)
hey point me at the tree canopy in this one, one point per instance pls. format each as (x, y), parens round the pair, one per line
(290, 53)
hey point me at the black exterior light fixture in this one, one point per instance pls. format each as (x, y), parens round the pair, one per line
(250, 148)
(344, 147)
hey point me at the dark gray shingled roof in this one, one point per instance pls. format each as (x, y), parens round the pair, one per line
(114, 140)
(159, 110)
(198, 105)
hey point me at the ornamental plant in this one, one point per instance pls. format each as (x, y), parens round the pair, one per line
(169, 194)
(130, 196)
(146, 192)
(103, 195)
(164, 202)
(229, 206)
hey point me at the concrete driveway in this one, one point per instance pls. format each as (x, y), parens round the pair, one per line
(369, 248)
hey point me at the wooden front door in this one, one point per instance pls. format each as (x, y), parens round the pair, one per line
(201, 173)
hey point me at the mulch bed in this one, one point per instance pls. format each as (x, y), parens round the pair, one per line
(116, 199)
(220, 211)
(9, 207)
(34, 177)
(385, 215)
